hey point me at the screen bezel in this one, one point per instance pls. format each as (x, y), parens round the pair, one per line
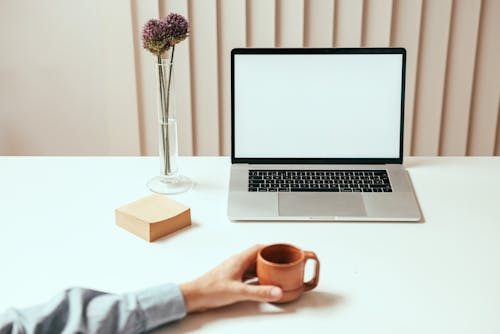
(295, 51)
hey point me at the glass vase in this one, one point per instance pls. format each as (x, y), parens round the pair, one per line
(169, 181)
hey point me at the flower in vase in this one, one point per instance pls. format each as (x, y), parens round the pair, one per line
(177, 28)
(159, 35)
(155, 36)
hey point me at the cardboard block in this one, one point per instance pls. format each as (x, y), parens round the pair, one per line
(153, 217)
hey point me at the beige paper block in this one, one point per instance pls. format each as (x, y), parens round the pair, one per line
(153, 217)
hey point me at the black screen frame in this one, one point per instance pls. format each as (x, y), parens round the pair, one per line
(299, 51)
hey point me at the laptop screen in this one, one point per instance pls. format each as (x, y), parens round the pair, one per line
(317, 103)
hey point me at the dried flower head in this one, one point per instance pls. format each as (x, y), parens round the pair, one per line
(155, 36)
(177, 28)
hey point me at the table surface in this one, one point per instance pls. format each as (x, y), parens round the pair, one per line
(439, 276)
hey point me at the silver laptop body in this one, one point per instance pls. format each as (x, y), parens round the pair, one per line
(317, 135)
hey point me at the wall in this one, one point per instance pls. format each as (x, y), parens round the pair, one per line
(66, 78)
(85, 85)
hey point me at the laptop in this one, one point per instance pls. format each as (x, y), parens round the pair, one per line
(317, 135)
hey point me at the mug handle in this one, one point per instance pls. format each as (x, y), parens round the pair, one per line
(314, 281)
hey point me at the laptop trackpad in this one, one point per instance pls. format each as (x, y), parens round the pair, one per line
(321, 204)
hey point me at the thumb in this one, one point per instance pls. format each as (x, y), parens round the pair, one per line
(261, 293)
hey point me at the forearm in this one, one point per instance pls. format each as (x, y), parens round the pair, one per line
(89, 311)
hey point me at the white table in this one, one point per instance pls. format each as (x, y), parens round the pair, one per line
(441, 276)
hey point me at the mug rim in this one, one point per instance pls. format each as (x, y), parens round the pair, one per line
(259, 255)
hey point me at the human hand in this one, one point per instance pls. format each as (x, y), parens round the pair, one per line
(224, 285)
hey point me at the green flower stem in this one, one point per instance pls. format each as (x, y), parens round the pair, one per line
(170, 76)
(164, 106)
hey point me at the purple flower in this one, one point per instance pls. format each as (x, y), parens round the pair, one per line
(177, 28)
(155, 36)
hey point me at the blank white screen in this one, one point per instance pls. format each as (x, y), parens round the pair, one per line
(317, 106)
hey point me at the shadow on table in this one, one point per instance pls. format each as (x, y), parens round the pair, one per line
(313, 299)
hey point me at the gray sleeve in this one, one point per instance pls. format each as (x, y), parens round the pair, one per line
(79, 310)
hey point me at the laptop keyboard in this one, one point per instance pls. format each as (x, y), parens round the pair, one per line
(319, 180)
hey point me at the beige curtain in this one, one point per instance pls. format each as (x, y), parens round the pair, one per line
(88, 87)
(453, 71)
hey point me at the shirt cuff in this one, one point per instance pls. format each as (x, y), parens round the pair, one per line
(161, 304)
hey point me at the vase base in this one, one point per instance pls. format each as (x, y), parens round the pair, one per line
(170, 185)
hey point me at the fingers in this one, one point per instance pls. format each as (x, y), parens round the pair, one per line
(250, 254)
(246, 259)
(260, 293)
(250, 272)
(248, 276)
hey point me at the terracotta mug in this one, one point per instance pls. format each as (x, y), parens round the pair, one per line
(283, 265)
